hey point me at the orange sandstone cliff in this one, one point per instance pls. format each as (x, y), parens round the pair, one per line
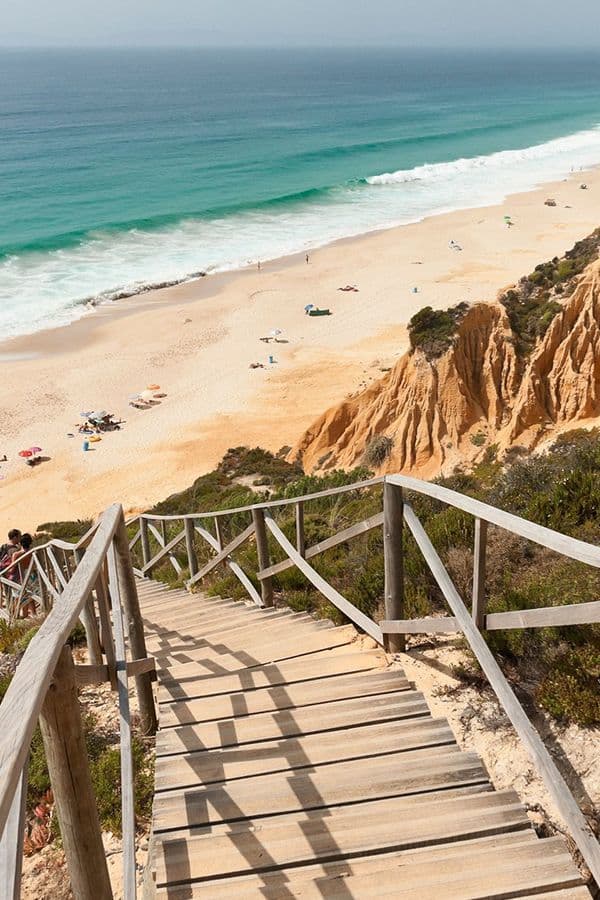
(440, 412)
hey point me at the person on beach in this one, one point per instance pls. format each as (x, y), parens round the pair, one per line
(307, 259)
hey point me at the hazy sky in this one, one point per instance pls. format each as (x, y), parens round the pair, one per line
(304, 22)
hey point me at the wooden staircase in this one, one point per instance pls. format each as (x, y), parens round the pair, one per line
(294, 762)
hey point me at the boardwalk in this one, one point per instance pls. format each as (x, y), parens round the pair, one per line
(292, 762)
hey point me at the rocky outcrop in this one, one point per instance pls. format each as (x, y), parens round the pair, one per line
(440, 412)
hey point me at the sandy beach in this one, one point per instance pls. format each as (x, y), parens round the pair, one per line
(198, 341)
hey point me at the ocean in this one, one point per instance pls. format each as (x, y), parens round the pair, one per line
(129, 168)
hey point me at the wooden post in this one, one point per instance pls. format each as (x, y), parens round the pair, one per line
(262, 548)
(189, 546)
(163, 531)
(89, 622)
(137, 642)
(219, 532)
(66, 754)
(11, 842)
(145, 540)
(393, 521)
(105, 626)
(300, 539)
(479, 551)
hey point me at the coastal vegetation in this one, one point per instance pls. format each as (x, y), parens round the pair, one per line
(531, 304)
(535, 300)
(432, 330)
(557, 667)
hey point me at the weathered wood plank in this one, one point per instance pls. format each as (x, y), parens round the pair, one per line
(429, 625)
(234, 567)
(158, 536)
(222, 661)
(223, 554)
(305, 752)
(572, 614)
(418, 821)
(393, 558)
(262, 550)
(127, 800)
(165, 551)
(286, 724)
(479, 555)
(97, 674)
(11, 842)
(320, 691)
(293, 672)
(354, 614)
(491, 858)
(134, 628)
(340, 783)
(340, 538)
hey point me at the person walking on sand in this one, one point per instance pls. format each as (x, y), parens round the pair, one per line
(307, 259)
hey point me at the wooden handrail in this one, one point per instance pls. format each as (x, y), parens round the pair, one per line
(44, 687)
(556, 786)
(25, 695)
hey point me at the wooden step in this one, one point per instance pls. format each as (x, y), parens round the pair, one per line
(248, 633)
(416, 771)
(294, 672)
(391, 824)
(319, 691)
(185, 618)
(311, 751)
(285, 724)
(174, 607)
(220, 661)
(487, 855)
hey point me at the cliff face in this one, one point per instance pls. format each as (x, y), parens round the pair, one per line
(442, 411)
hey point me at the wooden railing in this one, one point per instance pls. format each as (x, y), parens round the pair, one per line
(161, 538)
(95, 580)
(100, 585)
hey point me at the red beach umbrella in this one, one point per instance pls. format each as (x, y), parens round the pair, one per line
(25, 453)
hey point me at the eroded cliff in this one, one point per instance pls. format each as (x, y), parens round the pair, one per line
(484, 389)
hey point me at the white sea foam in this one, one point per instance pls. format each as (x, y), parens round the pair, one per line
(39, 290)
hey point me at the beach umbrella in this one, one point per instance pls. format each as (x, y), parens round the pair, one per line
(26, 454)
(100, 414)
(36, 449)
(153, 387)
(85, 415)
(147, 395)
(134, 396)
(275, 332)
(95, 438)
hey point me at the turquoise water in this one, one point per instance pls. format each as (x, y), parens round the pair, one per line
(121, 169)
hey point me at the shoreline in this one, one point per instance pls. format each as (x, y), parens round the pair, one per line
(218, 277)
(198, 339)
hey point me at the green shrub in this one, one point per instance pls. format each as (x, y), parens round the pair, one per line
(478, 439)
(531, 306)
(105, 771)
(569, 692)
(378, 449)
(433, 330)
